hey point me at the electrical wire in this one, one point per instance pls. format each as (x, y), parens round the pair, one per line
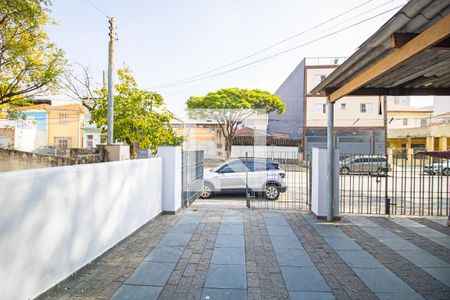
(97, 8)
(190, 79)
(287, 50)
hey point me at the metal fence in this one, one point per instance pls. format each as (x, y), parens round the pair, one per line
(394, 185)
(192, 176)
(291, 177)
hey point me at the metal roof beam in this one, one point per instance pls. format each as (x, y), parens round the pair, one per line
(423, 41)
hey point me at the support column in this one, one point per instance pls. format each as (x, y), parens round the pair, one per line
(430, 143)
(330, 160)
(443, 143)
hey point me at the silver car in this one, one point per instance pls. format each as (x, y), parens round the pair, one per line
(442, 167)
(364, 164)
(233, 176)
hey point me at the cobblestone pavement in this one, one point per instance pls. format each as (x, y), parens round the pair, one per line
(226, 251)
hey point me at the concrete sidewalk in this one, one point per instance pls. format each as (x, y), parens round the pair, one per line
(212, 251)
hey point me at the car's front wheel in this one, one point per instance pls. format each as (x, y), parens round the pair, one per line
(272, 192)
(207, 191)
(446, 172)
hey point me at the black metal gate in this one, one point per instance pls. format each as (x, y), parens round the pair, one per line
(280, 174)
(394, 184)
(192, 176)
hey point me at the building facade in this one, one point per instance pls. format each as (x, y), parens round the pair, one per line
(45, 125)
(359, 120)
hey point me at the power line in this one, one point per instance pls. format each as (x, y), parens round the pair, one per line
(97, 8)
(286, 50)
(273, 45)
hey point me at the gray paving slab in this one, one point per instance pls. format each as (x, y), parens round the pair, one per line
(309, 216)
(441, 274)
(285, 242)
(163, 253)
(280, 230)
(228, 256)
(329, 230)
(233, 219)
(427, 232)
(293, 258)
(374, 274)
(230, 241)
(429, 263)
(231, 229)
(276, 222)
(382, 280)
(151, 273)
(359, 259)
(304, 279)
(226, 277)
(339, 243)
(444, 242)
(423, 259)
(224, 294)
(396, 243)
(176, 239)
(137, 292)
(268, 215)
(295, 295)
(398, 296)
(184, 228)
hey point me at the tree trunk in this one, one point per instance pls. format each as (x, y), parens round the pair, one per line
(228, 145)
(133, 153)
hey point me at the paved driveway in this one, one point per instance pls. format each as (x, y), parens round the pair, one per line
(222, 250)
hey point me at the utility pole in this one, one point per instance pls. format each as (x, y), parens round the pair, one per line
(112, 48)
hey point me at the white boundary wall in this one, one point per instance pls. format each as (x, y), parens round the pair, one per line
(54, 221)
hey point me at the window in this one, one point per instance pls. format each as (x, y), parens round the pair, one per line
(233, 167)
(405, 121)
(319, 108)
(63, 119)
(423, 122)
(90, 141)
(343, 106)
(63, 142)
(366, 107)
(318, 78)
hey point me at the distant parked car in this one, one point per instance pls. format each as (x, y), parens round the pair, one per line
(364, 164)
(264, 175)
(442, 167)
(46, 150)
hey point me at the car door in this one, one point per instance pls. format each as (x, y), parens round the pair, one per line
(260, 175)
(232, 176)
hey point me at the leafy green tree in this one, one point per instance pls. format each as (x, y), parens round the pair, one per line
(139, 115)
(29, 62)
(230, 107)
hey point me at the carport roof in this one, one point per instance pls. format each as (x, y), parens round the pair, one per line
(408, 55)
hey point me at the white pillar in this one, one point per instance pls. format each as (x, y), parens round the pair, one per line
(172, 181)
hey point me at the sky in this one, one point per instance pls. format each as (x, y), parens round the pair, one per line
(164, 42)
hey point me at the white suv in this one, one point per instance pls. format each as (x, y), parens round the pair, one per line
(262, 175)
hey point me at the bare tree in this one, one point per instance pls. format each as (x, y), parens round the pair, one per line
(79, 87)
